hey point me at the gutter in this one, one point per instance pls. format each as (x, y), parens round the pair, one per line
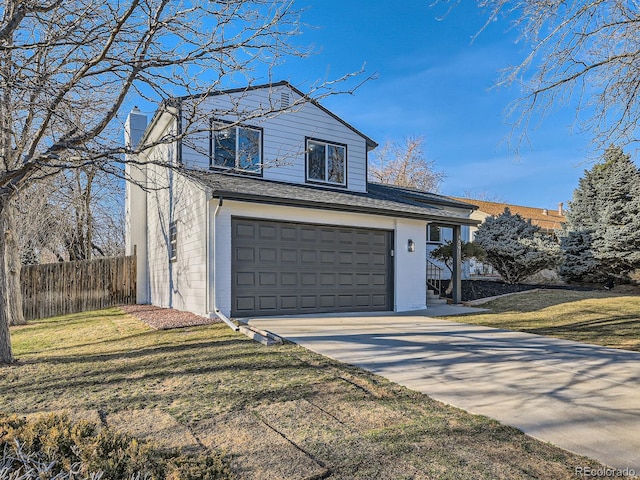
(288, 202)
(211, 296)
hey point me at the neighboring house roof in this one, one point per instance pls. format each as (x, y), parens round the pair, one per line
(176, 101)
(547, 219)
(381, 199)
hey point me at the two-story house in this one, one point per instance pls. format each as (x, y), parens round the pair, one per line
(272, 213)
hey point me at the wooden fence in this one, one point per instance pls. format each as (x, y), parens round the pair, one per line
(61, 288)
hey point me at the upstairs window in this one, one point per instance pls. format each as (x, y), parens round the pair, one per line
(326, 162)
(237, 148)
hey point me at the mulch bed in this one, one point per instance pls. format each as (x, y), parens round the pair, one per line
(166, 318)
(476, 289)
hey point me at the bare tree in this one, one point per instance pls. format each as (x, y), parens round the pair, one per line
(39, 225)
(584, 52)
(74, 215)
(404, 164)
(68, 66)
(483, 195)
(93, 220)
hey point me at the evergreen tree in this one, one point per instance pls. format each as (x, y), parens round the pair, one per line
(578, 261)
(515, 247)
(603, 231)
(617, 239)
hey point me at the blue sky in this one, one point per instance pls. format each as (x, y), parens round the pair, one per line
(434, 81)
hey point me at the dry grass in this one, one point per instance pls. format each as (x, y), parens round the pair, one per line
(279, 412)
(609, 319)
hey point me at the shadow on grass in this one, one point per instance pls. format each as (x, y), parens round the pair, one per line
(624, 327)
(131, 352)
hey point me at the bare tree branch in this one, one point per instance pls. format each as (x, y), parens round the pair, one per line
(404, 164)
(583, 53)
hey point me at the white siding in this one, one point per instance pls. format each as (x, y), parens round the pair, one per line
(181, 284)
(409, 268)
(283, 134)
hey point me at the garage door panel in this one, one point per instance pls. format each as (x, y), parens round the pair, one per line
(301, 268)
(267, 232)
(327, 257)
(345, 258)
(245, 304)
(308, 279)
(267, 255)
(288, 233)
(362, 300)
(288, 279)
(245, 254)
(328, 235)
(327, 279)
(309, 257)
(308, 234)
(268, 303)
(246, 279)
(288, 255)
(362, 238)
(288, 302)
(362, 258)
(378, 259)
(378, 300)
(267, 279)
(328, 301)
(309, 301)
(243, 230)
(378, 239)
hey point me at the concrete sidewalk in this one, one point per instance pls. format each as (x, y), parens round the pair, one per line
(580, 397)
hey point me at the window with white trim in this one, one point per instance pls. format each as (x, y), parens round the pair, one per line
(173, 241)
(237, 147)
(326, 162)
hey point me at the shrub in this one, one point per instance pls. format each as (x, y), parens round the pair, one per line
(515, 247)
(53, 447)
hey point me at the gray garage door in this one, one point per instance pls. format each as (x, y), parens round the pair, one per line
(291, 268)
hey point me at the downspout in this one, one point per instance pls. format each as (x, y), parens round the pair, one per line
(211, 262)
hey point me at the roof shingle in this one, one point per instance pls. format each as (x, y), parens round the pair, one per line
(547, 219)
(380, 199)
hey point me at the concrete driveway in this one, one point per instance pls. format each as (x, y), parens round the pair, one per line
(582, 398)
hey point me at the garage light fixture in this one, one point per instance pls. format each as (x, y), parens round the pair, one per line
(411, 246)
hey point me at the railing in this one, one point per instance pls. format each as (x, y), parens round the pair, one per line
(434, 277)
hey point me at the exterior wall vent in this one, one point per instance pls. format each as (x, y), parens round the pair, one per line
(285, 101)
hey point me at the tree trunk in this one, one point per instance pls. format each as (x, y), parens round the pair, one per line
(11, 299)
(8, 296)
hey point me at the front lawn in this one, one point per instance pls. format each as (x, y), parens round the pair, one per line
(277, 412)
(602, 318)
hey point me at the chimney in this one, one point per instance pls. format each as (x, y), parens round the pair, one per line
(560, 210)
(134, 128)
(545, 211)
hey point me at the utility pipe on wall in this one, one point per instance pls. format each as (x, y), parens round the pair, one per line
(211, 262)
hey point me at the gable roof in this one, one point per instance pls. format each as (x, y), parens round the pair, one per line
(383, 200)
(176, 101)
(547, 219)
